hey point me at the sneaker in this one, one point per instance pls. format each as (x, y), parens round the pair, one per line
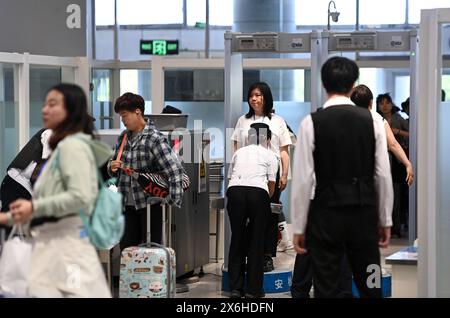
(236, 293)
(258, 295)
(284, 246)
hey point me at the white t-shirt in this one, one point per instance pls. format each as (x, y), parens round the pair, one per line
(253, 166)
(277, 125)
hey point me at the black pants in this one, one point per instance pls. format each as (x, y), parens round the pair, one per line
(247, 203)
(10, 191)
(302, 279)
(353, 230)
(271, 233)
(136, 226)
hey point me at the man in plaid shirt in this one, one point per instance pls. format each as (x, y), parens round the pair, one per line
(146, 150)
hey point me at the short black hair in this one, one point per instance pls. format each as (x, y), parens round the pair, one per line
(339, 74)
(362, 96)
(268, 99)
(259, 129)
(129, 102)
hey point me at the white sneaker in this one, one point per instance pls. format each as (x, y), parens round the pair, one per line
(284, 246)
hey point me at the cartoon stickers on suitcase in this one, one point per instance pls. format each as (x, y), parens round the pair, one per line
(144, 273)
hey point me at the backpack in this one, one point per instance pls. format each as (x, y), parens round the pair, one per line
(106, 224)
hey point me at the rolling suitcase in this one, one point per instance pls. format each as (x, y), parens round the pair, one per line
(148, 270)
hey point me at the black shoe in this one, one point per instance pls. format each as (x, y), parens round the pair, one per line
(268, 264)
(236, 294)
(257, 295)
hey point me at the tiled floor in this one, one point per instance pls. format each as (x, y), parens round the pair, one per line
(209, 285)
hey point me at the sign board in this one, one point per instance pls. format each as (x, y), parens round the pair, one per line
(44, 27)
(159, 47)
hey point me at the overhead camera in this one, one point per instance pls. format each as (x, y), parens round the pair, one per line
(334, 15)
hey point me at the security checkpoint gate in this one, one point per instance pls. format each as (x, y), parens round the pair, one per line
(318, 45)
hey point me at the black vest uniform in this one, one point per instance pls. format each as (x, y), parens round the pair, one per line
(343, 216)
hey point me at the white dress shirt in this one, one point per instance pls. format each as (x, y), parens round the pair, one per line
(304, 175)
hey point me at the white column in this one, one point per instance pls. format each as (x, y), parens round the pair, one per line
(115, 93)
(413, 99)
(22, 95)
(157, 85)
(82, 77)
(430, 61)
(319, 51)
(233, 109)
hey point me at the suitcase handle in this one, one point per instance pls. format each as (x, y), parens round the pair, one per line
(166, 232)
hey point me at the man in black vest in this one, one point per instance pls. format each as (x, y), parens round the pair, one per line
(341, 151)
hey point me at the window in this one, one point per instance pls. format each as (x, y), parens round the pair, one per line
(150, 12)
(416, 5)
(220, 12)
(402, 89)
(316, 12)
(104, 12)
(382, 12)
(137, 82)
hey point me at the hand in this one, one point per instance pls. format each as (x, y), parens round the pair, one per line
(115, 165)
(299, 243)
(3, 218)
(21, 210)
(409, 174)
(385, 236)
(283, 182)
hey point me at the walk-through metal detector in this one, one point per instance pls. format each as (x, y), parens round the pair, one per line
(320, 45)
(235, 45)
(385, 41)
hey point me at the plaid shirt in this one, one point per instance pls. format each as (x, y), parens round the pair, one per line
(150, 153)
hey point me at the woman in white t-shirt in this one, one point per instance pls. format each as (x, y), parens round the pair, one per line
(260, 103)
(252, 175)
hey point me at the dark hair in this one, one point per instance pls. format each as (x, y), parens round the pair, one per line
(362, 96)
(339, 74)
(129, 102)
(268, 99)
(442, 95)
(388, 98)
(259, 129)
(405, 104)
(78, 119)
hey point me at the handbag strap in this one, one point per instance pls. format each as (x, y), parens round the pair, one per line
(122, 145)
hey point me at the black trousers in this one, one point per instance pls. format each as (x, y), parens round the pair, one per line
(302, 279)
(136, 226)
(247, 203)
(10, 191)
(271, 233)
(353, 230)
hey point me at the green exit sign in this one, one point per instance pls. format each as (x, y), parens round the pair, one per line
(159, 47)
